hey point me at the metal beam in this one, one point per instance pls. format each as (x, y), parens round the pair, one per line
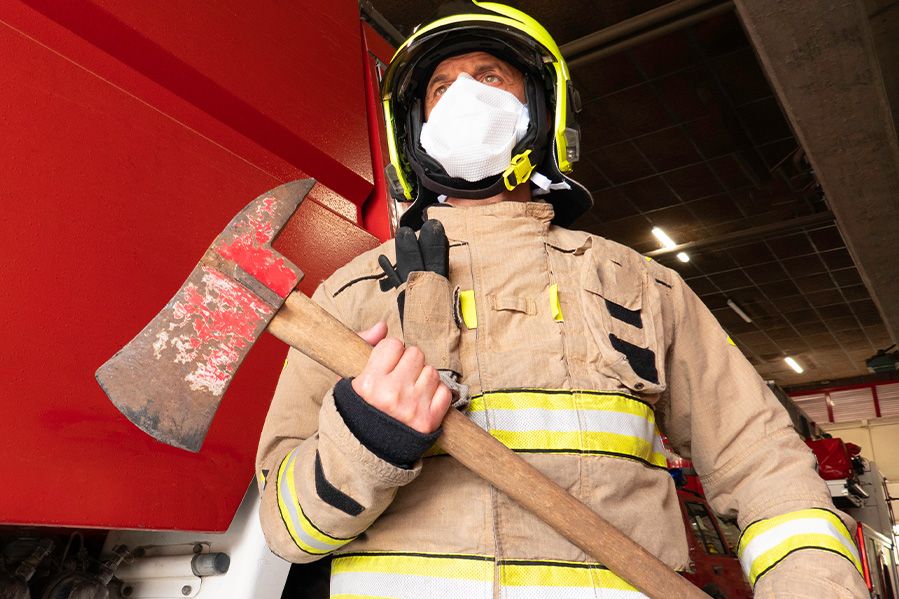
(745, 235)
(641, 29)
(819, 57)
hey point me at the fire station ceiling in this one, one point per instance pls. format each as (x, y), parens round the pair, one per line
(682, 130)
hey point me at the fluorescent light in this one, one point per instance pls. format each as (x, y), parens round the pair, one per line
(662, 236)
(733, 306)
(793, 364)
(683, 257)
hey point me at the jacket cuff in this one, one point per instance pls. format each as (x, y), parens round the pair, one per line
(384, 436)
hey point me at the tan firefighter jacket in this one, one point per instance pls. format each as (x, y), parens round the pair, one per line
(577, 350)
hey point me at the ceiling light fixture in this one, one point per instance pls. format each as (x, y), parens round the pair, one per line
(733, 306)
(662, 236)
(794, 365)
(668, 243)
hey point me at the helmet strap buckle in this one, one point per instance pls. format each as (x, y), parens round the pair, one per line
(521, 168)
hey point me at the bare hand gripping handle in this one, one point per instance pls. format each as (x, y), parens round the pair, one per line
(306, 326)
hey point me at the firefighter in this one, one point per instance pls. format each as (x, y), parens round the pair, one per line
(572, 350)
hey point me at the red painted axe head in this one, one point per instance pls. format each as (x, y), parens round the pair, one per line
(170, 379)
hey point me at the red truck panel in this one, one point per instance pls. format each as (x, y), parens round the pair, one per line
(126, 149)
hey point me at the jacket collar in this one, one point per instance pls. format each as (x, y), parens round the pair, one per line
(503, 218)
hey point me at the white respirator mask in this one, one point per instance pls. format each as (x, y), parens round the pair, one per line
(473, 128)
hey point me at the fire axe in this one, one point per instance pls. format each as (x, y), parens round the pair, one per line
(170, 379)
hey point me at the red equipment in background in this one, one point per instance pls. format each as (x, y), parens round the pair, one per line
(117, 116)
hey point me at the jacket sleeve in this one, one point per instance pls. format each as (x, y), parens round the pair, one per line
(320, 486)
(752, 463)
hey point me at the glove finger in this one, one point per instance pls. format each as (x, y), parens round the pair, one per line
(408, 254)
(393, 278)
(434, 247)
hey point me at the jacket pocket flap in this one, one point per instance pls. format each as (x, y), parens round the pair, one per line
(512, 303)
(616, 283)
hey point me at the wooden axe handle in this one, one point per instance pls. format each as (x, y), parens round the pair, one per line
(305, 325)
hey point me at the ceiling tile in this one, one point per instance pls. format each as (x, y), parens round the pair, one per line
(731, 172)
(621, 162)
(693, 182)
(594, 116)
(665, 54)
(741, 77)
(779, 289)
(790, 245)
(766, 273)
(751, 254)
(846, 277)
(834, 311)
(649, 194)
(715, 209)
(844, 323)
(710, 138)
(824, 298)
(814, 283)
(828, 238)
(836, 259)
(804, 265)
(730, 279)
(712, 261)
(611, 204)
(667, 148)
(636, 111)
(687, 94)
(764, 121)
(814, 327)
(602, 77)
(856, 292)
(793, 304)
(702, 286)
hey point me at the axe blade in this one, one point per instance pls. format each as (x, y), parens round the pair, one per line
(170, 379)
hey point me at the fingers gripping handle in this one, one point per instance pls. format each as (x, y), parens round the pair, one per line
(305, 325)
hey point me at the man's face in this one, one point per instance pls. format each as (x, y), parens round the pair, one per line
(483, 67)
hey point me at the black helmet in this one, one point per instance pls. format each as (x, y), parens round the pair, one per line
(550, 148)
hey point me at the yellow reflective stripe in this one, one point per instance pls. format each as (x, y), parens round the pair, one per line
(468, 309)
(417, 565)
(571, 422)
(731, 341)
(554, 305)
(423, 575)
(305, 534)
(560, 574)
(261, 477)
(766, 542)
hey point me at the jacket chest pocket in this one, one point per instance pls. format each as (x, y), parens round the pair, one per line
(623, 315)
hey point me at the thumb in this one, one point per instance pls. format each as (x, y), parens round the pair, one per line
(375, 334)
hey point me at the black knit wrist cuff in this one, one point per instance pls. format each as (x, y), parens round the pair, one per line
(384, 436)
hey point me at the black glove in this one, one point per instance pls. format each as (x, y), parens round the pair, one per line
(427, 252)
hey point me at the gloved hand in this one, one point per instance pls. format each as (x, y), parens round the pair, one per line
(425, 299)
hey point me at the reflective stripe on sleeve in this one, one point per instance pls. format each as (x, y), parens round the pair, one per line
(303, 532)
(767, 542)
(554, 305)
(412, 576)
(566, 421)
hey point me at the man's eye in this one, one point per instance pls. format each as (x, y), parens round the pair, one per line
(491, 79)
(438, 91)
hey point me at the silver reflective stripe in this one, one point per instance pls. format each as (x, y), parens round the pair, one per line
(299, 527)
(770, 539)
(407, 586)
(567, 593)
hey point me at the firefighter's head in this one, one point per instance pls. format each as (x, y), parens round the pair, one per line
(477, 102)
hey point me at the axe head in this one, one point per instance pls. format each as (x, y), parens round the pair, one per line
(170, 379)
